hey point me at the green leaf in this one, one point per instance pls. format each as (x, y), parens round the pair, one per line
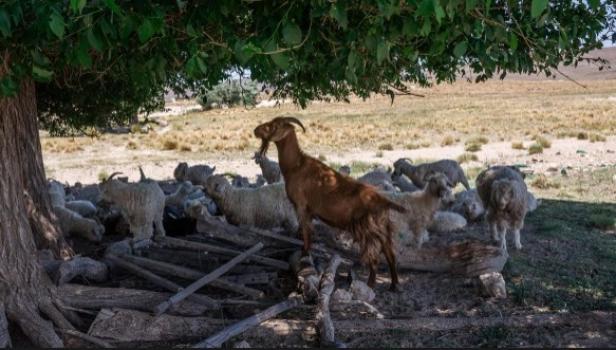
(111, 4)
(5, 24)
(352, 59)
(538, 6)
(94, 40)
(78, 5)
(82, 54)
(41, 74)
(382, 51)
(426, 28)
(439, 12)
(513, 41)
(340, 15)
(145, 30)
(244, 52)
(292, 34)
(594, 4)
(56, 24)
(460, 49)
(281, 60)
(470, 5)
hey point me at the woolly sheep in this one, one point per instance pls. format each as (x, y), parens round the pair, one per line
(142, 204)
(446, 221)
(196, 174)
(264, 207)
(269, 168)
(504, 194)
(420, 207)
(184, 190)
(468, 204)
(418, 173)
(403, 183)
(379, 178)
(56, 193)
(82, 207)
(71, 223)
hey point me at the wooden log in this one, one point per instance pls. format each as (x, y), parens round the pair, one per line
(90, 297)
(190, 274)
(183, 244)
(211, 227)
(470, 258)
(192, 288)
(238, 328)
(199, 260)
(323, 317)
(252, 278)
(161, 282)
(5, 337)
(129, 326)
(90, 269)
(94, 340)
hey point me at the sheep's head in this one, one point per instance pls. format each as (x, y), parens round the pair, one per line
(110, 186)
(186, 188)
(181, 171)
(399, 164)
(502, 193)
(440, 186)
(216, 185)
(275, 130)
(473, 209)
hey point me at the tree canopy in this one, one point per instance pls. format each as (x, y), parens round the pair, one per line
(100, 61)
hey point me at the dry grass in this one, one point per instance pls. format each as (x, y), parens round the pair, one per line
(517, 145)
(596, 138)
(545, 143)
(467, 157)
(448, 141)
(472, 147)
(535, 148)
(542, 182)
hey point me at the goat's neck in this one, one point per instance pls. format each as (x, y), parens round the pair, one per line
(289, 153)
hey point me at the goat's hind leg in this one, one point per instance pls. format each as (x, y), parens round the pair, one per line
(393, 271)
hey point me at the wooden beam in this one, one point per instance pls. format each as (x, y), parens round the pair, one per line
(190, 274)
(161, 282)
(188, 291)
(324, 321)
(199, 246)
(219, 338)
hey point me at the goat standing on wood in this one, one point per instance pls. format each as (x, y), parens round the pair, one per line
(318, 191)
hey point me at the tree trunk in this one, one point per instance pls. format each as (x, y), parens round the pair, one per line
(25, 215)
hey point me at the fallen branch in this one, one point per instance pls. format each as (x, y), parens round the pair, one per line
(252, 278)
(5, 337)
(307, 276)
(211, 227)
(323, 317)
(199, 260)
(96, 298)
(190, 274)
(183, 294)
(161, 282)
(129, 326)
(94, 340)
(219, 338)
(199, 246)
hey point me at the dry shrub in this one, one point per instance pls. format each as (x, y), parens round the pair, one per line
(185, 148)
(132, 145)
(545, 143)
(582, 135)
(535, 148)
(386, 147)
(472, 147)
(169, 144)
(467, 157)
(542, 182)
(448, 141)
(596, 138)
(517, 145)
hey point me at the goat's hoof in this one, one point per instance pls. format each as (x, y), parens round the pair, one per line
(395, 288)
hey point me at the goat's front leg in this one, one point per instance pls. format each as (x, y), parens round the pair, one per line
(305, 228)
(502, 227)
(516, 236)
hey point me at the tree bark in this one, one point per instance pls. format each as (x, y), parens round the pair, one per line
(25, 219)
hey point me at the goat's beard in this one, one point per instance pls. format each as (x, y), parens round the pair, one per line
(264, 147)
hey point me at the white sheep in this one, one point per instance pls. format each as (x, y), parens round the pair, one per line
(264, 207)
(196, 174)
(379, 178)
(71, 223)
(269, 168)
(420, 208)
(504, 194)
(446, 221)
(468, 204)
(418, 173)
(142, 204)
(82, 207)
(403, 183)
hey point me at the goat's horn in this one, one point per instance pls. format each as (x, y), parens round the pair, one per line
(294, 120)
(112, 175)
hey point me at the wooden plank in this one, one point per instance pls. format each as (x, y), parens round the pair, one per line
(161, 282)
(183, 244)
(252, 278)
(183, 294)
(323, 317)
(219, 338)
(190, 274)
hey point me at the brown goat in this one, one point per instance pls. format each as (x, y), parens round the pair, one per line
(318, 191)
